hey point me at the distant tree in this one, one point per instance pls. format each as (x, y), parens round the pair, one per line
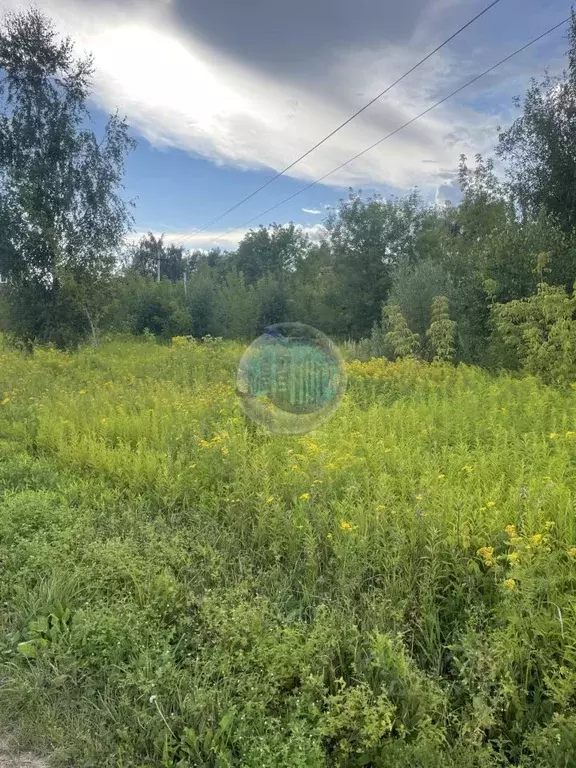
(368, 238)
(150, 253)
(173, 263)
(146, 254)
(61, 217)
(270, 250)
(241, 303)
(414, 287)
(204, 303)
(273, 304)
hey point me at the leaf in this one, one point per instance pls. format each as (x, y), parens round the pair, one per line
(208, 740)
(39, 626)
(190, 738)
(226, 720)
(28, 649)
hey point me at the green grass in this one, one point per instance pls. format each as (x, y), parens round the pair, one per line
(179, 588)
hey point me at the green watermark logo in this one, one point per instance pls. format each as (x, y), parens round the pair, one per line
(291, 378)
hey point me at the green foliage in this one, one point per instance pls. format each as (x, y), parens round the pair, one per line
(151, 253)
(274, 249)
(414, 287)
(541, 331)
(399, 337)
(442, 331)
(241, 305)
(393, 590)
(272, 298)
(61, 218)
(368, 239)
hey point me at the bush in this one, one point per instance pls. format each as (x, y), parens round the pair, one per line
(541, 333)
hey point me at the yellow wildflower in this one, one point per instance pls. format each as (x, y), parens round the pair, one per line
(380, 508)
(536, 539)
(346, 526)
(387, 450)
(487, 555)
(5, 401)
(204, 444)
(571, 552)
(270, 499)
(304, 496)
(513, 557)
(570, 435)
(490, 504)
(554, 435)
(317, 482)
(441, 476)
(192, 466)
(509, 584)
(419, 497)
(549, 524)
(83, 392)
(294, 467)
(225, 450)
(467, 468)
(511, 531)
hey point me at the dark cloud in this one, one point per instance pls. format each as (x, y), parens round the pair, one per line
(296, 36)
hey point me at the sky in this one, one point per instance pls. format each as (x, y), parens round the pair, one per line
(221, 95)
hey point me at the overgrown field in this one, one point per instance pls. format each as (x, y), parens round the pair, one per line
(395, 589)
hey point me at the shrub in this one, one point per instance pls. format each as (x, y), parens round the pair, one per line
(541, 332)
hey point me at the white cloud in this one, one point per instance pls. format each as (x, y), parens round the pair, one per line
(177, 91)
(316, 232)
(312, 211)
(204, 241)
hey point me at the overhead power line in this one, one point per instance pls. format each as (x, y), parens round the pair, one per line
(342, 125)
(394, 132)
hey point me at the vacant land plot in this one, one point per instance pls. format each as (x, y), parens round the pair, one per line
(395, 589)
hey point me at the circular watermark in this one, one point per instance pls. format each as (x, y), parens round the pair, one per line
(291, 378)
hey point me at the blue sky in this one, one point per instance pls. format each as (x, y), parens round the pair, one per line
(221, 95)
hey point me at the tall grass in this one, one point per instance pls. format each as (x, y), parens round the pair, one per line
(181, 588)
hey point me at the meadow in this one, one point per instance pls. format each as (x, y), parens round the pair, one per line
(181, 588)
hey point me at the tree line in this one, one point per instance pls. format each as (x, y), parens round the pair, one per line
(487, 281)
